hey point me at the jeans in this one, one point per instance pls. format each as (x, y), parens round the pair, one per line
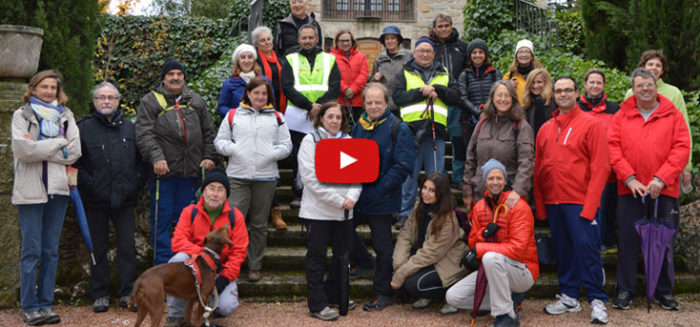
(40, 226)
(424, 159)
(175, 194)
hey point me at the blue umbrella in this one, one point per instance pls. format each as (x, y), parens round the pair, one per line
(656, 237)
(80, 216)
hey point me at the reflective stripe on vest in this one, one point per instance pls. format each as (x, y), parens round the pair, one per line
(415, 111)
(311, 84)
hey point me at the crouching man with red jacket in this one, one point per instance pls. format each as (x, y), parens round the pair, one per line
(188, 240)
(510, 261)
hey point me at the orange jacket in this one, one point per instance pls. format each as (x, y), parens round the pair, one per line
(658, 147)
(515, 238)
(353, 74)
(571, 162)
(189, 236)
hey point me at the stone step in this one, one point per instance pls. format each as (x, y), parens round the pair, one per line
(286, 285)
(285, 194)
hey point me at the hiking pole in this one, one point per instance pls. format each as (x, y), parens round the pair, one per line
(348, 107)
(432, 124)
(155, 231)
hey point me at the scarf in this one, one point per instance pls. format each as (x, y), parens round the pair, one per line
(247, 76)
(368, 124)
(324, 132)
(525, 70)
(423, 222)
(266, 61)
(48, 114)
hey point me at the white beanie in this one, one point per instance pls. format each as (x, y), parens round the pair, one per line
(240, 49)
(524, 43)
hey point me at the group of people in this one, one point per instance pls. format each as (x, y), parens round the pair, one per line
(519, 140)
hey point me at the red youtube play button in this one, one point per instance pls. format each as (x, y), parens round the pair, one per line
(347, 160)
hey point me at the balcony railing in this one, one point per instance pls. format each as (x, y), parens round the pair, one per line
(368, 9)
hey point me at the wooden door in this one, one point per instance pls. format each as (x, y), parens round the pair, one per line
(371, 48)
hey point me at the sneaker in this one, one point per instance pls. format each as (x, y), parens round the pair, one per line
(506, 321)
(360, 273)
(327, 314)
(351, 305)
(599, 314)
(50, 317)
(448, 309)
(399, 223)
(254, 276)
(622, 300)
(517, 299)
(33, 318)
(564, 304)
(422, 303)
(124, 303)
(612, 249)
(174, 322)
(378, 303)
(101, 304)
(296, 203)
(666, 301)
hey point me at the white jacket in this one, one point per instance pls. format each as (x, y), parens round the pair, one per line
(29, 154)
(321, 201)
(258, 141)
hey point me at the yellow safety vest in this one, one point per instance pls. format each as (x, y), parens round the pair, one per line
(313, 84)
(416, 111)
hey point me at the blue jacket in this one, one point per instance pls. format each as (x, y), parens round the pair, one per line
(383, 196)
(232, 93)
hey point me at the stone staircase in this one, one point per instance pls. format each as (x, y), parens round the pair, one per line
(284, 272)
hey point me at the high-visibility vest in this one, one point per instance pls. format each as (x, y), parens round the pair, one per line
(416, 111)
(313, 84)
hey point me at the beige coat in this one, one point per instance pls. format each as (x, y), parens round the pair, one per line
(29, 154)
(444, 253)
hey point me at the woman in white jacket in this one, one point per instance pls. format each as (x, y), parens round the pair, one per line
(45, 140)
(326, 209)
(254, 137)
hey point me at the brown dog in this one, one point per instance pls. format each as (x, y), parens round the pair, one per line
(176, 279)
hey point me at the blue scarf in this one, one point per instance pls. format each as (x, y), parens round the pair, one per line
(49, 115)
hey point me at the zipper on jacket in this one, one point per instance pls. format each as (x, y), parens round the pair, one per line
(567, 135)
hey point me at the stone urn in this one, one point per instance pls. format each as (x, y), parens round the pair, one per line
(20, 47)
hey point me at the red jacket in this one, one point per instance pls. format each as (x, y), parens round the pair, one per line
(189, 236)
(515, 238)
(571, 162)
(658, 147)
(353, 74)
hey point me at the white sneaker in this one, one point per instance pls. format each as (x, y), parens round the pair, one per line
(564, 304)
(599, 314)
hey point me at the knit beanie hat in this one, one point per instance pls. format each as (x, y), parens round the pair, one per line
(217, 174)
(424, 39)
(240, 49)
(524, 43)
(169, 65)
(480, 44)
(491, 165)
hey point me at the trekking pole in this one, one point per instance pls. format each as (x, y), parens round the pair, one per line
(155, 231)
(432, 124)
(348, 107)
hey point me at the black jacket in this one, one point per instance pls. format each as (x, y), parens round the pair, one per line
(110, 172)
(538, 113)
(474, 87)
(452, 54)
(288, 33)
(299, 99)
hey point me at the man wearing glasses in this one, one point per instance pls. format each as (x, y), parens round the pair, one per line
(571, 167)
(109, 178)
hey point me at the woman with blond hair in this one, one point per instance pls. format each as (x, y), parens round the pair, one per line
(538, 100)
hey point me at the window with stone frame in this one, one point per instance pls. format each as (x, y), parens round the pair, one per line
(392, 10)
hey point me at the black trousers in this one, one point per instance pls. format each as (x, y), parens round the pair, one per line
(123, 221)
(383, 247)
(425, 283)
(320, 233)
(296, 137)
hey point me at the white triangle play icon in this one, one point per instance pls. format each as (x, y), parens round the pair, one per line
(346, 160)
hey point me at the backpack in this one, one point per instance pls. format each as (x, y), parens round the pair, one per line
(232, 113)
(231, 216)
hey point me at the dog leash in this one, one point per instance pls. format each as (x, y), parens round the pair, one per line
(191, 263)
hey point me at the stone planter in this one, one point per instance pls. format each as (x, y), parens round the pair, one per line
(20, 47)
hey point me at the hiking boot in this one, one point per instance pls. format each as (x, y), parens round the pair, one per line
(506, 321)
(124, 303)
(33, 318)
(50, 317)
(378, 303)
(174, 322)
(666, 301)
(101, 304)
(296, 203)
(622, 300)
(327, 314)
(448, 309)
(399, 223)
(422, 303)
(517, 299)
(599, 314)
(276, 218)
(351, 305)
(360, 273)
(254, 276)
(564, 304)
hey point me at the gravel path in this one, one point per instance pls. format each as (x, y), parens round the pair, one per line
(260, 314)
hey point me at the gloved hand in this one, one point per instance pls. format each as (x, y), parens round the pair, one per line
(470, 260)
(491, 229)
(221, 283)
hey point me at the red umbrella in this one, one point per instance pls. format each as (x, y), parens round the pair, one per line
(481, 281)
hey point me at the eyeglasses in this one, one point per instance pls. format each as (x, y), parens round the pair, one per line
(108, 97)
(567, 90)
(644, 85)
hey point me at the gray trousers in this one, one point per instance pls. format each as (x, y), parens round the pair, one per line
(253, 199)
(504, 276)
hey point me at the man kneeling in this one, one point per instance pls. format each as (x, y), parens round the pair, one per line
(510, 262)
(196, 220)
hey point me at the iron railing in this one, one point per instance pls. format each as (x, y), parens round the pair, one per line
(368, 9)
(535, 20)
